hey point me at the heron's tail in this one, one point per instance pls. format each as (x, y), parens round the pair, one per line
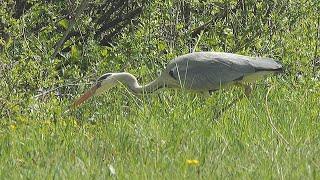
(267, 64)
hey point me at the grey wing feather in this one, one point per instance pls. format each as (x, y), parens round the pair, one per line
(209, 71)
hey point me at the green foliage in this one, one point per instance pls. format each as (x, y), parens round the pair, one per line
(273, 134)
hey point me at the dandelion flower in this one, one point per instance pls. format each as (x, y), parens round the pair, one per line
(13, 127)
(193, 162)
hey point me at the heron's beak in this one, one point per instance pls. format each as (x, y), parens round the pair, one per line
(85, 96)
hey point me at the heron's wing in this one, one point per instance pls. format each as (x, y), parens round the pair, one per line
(209, 73)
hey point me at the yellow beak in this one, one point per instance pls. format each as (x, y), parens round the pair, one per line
(85, 96)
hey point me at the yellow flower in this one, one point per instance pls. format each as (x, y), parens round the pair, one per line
(193, 162)
(47, 122)
(13, 127)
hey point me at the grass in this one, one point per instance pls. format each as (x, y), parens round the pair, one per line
(270, 135)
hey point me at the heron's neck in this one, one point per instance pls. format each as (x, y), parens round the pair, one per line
(132, 83)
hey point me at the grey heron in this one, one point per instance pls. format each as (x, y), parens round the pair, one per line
(203, 72)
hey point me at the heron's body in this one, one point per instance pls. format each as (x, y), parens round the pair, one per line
(199, 71)
(209, 71)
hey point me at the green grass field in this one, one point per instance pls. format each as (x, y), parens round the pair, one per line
(273, 134)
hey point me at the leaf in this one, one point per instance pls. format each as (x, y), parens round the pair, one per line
(162, 46)
(75, 53)
(104, 52)
(64, 23)
(228, 31)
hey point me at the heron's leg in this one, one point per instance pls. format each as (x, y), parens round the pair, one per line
(225, 108)
(206, 94)
(247, 92)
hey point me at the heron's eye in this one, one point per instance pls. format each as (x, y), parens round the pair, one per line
(105, 76)
(98, 84)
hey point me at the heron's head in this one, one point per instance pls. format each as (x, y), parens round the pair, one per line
(104, 83)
